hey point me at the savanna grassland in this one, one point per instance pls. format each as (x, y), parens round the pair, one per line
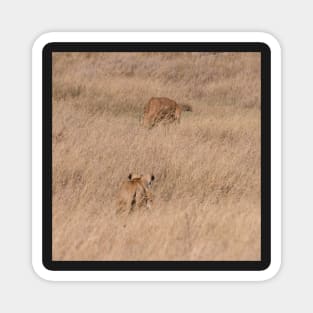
(207, 168)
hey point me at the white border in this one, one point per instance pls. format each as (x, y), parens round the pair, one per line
(271, 271)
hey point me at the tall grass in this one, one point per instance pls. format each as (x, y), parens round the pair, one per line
(207, 168)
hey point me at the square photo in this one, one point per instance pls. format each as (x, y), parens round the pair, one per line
(156, 157)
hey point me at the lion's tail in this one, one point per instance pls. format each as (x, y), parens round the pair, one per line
(186, 107)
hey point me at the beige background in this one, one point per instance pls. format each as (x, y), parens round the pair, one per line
(207, 188)
(22, 22)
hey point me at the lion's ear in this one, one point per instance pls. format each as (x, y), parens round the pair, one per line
(130, 176)
(152, 177)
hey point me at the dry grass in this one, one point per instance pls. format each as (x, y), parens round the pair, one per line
(207, 168)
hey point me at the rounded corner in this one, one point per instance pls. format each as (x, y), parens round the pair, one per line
(42, 270)
(270, 41)
(265, 264)
(43, 41)
(271, 270)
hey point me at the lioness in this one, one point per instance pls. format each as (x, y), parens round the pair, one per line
(135, 193)
(163, 109)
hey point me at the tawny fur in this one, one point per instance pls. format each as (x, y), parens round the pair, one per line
(135, 193)
(163, 110)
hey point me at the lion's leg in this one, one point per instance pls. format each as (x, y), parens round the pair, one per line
(154, 121)
(149, 199)
(140, 198)
(145, 199)
(132, 203)
(177, 115)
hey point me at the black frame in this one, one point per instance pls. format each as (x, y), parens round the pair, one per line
(157, 265)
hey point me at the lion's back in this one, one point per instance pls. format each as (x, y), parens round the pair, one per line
(160, 104)
(126, 192)
(157, 108)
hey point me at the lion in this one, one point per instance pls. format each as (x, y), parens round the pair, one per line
(163, 110)
(135, 193)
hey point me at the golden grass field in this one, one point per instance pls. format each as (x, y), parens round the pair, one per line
(207, 168)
